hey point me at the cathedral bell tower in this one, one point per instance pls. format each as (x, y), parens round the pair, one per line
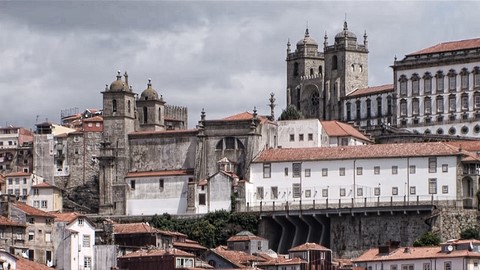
(119, 120)
(305, 68)
(151, 109)
(346, 69)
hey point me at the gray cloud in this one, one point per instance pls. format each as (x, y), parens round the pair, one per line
(225, 57)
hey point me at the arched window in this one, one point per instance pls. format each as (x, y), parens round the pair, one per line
(320, 71)
(334, 62)
(114, 105)
(295, 69)
(311, 72)
(159, 114)
(145, 115)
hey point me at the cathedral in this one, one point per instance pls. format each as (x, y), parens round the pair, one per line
(317, 81)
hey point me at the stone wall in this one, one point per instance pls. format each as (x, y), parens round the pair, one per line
(448, 222)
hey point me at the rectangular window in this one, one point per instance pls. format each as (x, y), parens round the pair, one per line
(324, 172)
(259, 193)
(307, 172)
(452, 83)
(403, 88)
(376, 191)
(80, 221)
(394, 190)
(274, 193)
(48, 237)
(413, 190)
(445, 189)
(31, 235)
(44, 204)
(440, 84)
(376, 170)
(415, 107)
(393, 267)
(24, 192)
(394, 169)
(300, 137)
(310, 136)
(297, 169)
(10, 182)
(342, 192)
(426, 266)
(464, 81)
(403, 108)
(476, 98)
(86, 240)
(267, 169)
(308, 193)
(464, 103)
(286, 171)
(24, 181)
(297, 192)
(132, 184)
(415, 87)
(444, 167)
(359, 170)
(324, 192)
(440, 105)
(476, 80)
(413, 168)
(87, 262)
(427, 85)
(359, 192)
(432, 165)
(202, 199)
(292, 137)
(452, 101)
(432, 186)
(341, 171)
(17, 192)
(17, 181)
(448, 265)
(161, 184)
(35, 191)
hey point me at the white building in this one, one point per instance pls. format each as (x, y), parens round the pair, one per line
(46, 197)
(315, 133)
(74, 241)
(368, 175)
(455, 254)
(438, 89)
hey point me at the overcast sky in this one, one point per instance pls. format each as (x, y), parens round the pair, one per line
(226, 57)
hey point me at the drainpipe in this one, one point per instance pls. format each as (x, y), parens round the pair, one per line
(407, 191)
(354, 175)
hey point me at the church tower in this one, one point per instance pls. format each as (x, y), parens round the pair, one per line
(119, 120)
(346, 69)
(305, 67)
(151, 110)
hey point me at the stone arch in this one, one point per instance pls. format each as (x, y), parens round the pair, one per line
(467, 187)
(311, 101)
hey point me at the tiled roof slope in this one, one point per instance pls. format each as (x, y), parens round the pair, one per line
(157, 252)
(238, 258)
(8, 222)
(412, 253)
(339, 129)
(133, 228)
(32, 211)
(371, 90)
(358, 152)
(308, 246)
(450, 46)
(244, 116)
(24, 264)
(67, 216)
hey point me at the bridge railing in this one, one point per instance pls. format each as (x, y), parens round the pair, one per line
(363, 202)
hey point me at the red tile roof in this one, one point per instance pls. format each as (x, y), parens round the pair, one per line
(130, 228)
(31, 211)
(45, 185)
(358, 152)
(339, 129)
(17, 174)
(282, 261)
(411, 253)
(244, 116)
(450, 46)
(24, 264)
(160, 173)
(93, 119)
(188, 245)
(237, 258)
(157, 252)
(67, 216)
(8, 222)
(243, 238)
(172, 233)
(308, 246)
(374, 90)
(466, 145)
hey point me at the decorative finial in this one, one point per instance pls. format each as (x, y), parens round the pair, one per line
(307, 34)
(288, 46)
(125, 74)
(395, 58)
(255, 112)
(345, 26)
(149, 83)
(202, 115)
(272, 106)
(325, 40)
(119, 76)
(106, 86)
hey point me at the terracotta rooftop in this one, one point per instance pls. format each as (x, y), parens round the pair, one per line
(13, 174)
(374, 90)
(450, 46)
(171, 233)
(44, 185)
(244, 116)
(188, 245)
(308, 246)
(157, 252)
(282, 261)
(412, 253)
(93, 119)
(339, 129)
(237, 258)
(358, 152)
(472, 146)
(67, 216)
(4, 221)
(131, 228)
(25, 264)
(160, 173)
(31, 211)
(244, 236)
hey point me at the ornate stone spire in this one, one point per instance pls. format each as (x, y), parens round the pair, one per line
(288, 46)
(272, 106)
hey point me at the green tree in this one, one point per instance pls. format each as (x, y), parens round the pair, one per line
(427, 239)
(470, 233)
(290, 113)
